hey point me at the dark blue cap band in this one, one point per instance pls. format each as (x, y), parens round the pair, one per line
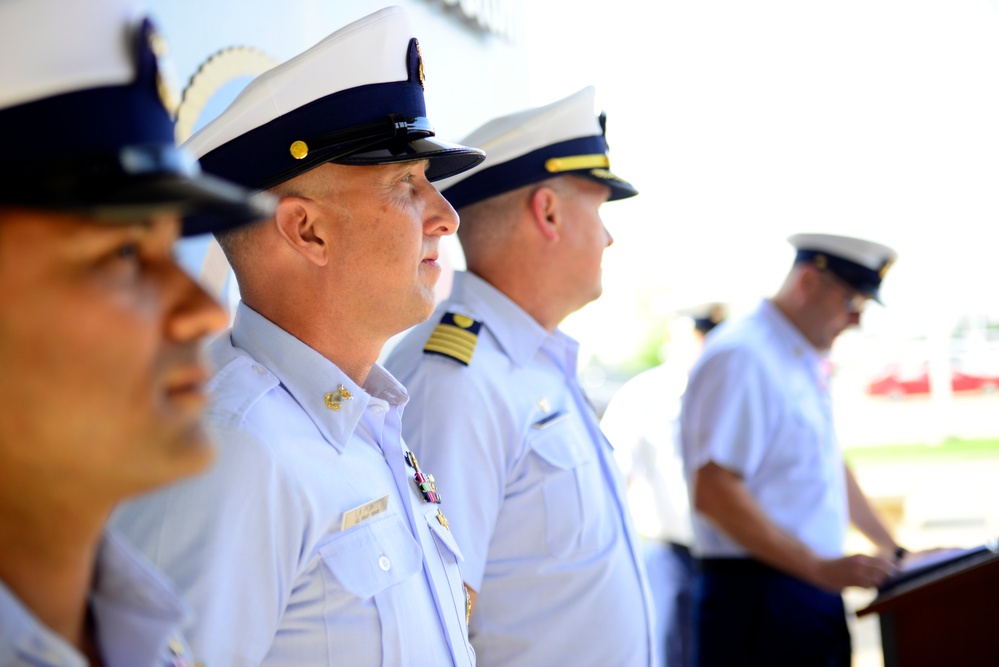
(88, 121)
(530, 168)
(865, 280)
(261, 157)
(109, 153)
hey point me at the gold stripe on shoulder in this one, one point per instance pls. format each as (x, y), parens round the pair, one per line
(455, 337)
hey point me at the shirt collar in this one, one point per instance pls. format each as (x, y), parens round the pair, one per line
(136, 609)
(516, 332)
(23, 635)
(313, 380)
(794, 340)
(136, 613)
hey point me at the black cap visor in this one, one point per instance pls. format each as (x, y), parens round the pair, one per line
(864, 279)
(134, 182)
(620, 188)
(444, 158)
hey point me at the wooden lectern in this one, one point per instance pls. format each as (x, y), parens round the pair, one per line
(942, 616)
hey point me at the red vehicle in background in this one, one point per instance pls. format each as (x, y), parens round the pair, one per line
(899, 379)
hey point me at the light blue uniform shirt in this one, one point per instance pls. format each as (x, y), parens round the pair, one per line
(757, 404)
(137, 618)
(531, 490)
(308, 542)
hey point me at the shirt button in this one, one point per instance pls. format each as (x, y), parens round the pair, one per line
(260, 369)
(384, 563)
(378, 409)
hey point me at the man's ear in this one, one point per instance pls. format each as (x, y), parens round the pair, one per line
(546, 212)
(809, 281)
(296, 220)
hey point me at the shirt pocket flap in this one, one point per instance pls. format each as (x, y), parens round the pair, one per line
(562, 445)
(372, 556)
(442, 534)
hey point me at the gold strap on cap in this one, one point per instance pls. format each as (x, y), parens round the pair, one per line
(577, 162)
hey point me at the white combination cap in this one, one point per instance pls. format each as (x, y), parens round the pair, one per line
(859, 263)
(562, 138)
(356, 98)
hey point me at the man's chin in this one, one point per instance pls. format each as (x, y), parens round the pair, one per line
(421, 311)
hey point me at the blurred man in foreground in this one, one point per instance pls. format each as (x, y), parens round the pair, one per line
(102, 388)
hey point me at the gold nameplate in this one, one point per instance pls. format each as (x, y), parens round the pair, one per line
(361, 514)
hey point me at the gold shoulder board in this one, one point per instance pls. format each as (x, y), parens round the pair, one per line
(455, 337)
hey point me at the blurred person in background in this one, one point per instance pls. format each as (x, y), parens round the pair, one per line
(772, 495)
(535, 499)
(642, 422)
(102, 387)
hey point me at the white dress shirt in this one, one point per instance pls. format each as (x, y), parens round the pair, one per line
(136, 614)
(757, 404)
(533, 494)
(308, 542)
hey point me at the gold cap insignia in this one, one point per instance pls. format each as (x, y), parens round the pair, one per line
(334, 399)
(821, 261)
(421, 74)
(884, 268)
(165, 85)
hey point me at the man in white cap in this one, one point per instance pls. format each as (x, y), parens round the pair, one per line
(642, 421)
(533, 495)
(771, 493)
(102, 388)
(318, 539)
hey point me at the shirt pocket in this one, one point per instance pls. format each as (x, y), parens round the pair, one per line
(802, 443)
(373, 556)
(573, 489)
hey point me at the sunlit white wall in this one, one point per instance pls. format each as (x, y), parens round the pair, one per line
(744, 122)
